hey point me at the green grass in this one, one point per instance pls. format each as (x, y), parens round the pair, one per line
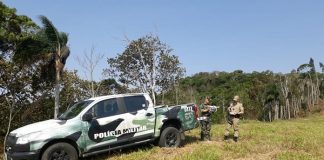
(291, 139)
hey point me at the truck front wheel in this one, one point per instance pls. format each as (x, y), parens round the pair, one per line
(60, 151)
(170, 137)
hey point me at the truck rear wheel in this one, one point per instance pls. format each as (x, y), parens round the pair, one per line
(170, 137)
(60, 151)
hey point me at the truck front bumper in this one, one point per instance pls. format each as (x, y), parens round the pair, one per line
(22, 156)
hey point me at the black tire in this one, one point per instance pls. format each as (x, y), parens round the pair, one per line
(60, 151)
(170, 137)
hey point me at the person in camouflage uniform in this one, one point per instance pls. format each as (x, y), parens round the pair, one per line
(235, 110)
(205, 121)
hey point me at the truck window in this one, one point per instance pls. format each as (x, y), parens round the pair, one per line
(135, 103)
(106, 108)
(75, 110)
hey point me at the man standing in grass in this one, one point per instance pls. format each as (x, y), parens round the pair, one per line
(205, 120)
(235, 110)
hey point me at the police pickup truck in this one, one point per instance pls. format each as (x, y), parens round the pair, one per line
(101, 124)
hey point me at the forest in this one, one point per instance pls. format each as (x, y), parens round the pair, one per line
(35, 86)
(266, 96)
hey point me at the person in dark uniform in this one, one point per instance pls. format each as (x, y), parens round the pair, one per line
(205, 120)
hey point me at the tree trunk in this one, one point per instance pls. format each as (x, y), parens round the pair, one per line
(281, 112)
(57, 100)
(177, 101)
(162, 97)
(313, 97)
(288, 108)
(8, 130)
(285, 93)
(92, 87)
(293, 106)
(308, 98)
(153, 80)
(269, 113)
(276, 110)
(58, 68)
(318, 92)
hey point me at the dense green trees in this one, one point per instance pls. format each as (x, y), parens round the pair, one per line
(15, 78)
(266, 95)
(30, 58)
(13, 29)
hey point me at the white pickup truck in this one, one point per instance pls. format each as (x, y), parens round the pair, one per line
(101, 124)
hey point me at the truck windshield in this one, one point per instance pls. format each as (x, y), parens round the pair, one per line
(75, 110)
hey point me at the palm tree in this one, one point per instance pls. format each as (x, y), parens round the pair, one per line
(310, 67)
(313, 89)
(58, 53)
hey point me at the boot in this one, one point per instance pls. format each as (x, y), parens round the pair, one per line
(235, 139)
(226, 138)
(208, 137)
(202, 137)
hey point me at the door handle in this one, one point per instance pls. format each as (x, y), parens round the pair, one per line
(149, 114)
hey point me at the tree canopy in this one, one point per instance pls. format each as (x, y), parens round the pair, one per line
(147, 65)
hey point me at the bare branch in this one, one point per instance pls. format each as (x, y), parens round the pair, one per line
(89, 62)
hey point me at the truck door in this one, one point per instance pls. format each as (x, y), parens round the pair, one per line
(106, 127)
(140, 115)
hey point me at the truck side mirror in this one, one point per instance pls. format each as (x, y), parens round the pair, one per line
(87, 117)
(146, 105)
(59, 114)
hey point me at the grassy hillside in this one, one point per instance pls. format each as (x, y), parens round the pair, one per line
(293, 139)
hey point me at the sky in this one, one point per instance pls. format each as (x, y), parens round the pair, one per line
(209, 35)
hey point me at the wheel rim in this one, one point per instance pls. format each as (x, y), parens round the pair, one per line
(59, 155)
(171, 139)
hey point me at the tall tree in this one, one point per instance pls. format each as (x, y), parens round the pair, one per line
(322, 66)
(58, 53)
(271, 100)
(169, 72)
(16, 91)
(13, 29)
(15, 78)
(138, 66)
(308, 69)
(89, 62)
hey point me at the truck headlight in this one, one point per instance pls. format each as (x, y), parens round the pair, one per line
(28, 137)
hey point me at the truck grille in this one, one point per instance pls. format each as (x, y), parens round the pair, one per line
(10, 143)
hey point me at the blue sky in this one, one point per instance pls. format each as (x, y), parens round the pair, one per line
(210, 35)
